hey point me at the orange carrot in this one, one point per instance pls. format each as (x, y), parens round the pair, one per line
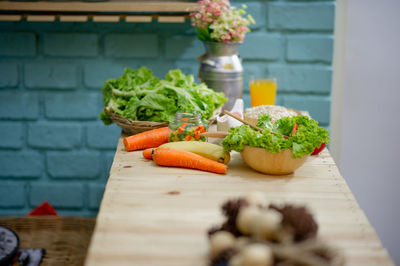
(148, 139)
(166, 156)
(148, 153)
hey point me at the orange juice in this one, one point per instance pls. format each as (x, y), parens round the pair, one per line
(262, 92)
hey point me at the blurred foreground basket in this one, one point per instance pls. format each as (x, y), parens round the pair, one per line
(65, 239)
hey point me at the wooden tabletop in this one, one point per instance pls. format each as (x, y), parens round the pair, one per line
(153, 215)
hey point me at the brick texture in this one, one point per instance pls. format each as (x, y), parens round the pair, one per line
(95, 195)
(73, 165)
(54, 136)
(17, 44)
(309, 48)
(11, 135)
(50, 76)
(58, 195)
(131, 45)
(8, 76)
(20, 164)
(72, 106)
(108, 161)
(303, 79)
(261, 46)
(301, 16)
(95, 74)
(257, 11)
(19, 106)
(12, 195)
(71, 44)
(102, 137)
(183, 47)
(53, 145)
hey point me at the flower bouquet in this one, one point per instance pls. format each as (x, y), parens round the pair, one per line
(218, 21)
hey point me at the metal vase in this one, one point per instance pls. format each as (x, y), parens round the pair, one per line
(221, 69)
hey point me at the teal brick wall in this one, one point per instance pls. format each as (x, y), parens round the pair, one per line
(53, 146)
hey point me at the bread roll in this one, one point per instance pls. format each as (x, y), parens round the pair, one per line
(276, 112)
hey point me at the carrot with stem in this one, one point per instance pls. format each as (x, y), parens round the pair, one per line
(148, 139)
(148, 153)
(166, 156)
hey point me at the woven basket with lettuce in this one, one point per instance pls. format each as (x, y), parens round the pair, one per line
(138, 101)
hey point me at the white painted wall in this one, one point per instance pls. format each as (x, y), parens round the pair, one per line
(365, 115)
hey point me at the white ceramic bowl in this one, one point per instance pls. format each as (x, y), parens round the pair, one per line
(263, 161)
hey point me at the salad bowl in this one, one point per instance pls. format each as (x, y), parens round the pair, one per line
(276, 147)
(263, 161)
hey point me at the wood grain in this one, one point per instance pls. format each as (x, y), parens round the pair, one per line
(40, 18)
(105, 18)
(152, 215)
(171, 19)
(138, 18)
(73, 18)
(10, 17)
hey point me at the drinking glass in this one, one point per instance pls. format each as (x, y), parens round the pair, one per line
(262, 91)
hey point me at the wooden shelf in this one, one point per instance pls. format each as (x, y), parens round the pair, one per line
(112, 11)
(120, 6)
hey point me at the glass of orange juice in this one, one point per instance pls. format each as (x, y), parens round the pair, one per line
(262, 91)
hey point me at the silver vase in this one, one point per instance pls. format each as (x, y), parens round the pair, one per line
(221, 69)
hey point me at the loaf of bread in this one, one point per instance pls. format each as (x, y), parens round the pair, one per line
(276, 112)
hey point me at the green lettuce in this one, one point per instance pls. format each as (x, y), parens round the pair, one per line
(278, 136)
(139, 95)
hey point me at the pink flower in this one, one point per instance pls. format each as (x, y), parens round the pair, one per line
(224, 22)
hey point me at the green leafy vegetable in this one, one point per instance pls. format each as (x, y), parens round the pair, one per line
(138, 95)
(278, 136)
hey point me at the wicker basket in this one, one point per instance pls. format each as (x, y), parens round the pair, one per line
(132, 127)
(65, 239)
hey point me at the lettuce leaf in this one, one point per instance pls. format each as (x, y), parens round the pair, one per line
(277, 136)
(138, 95)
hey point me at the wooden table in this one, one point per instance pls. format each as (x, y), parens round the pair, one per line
(152, 215)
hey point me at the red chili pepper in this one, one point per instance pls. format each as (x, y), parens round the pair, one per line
(294, 130)
(318, 150)
(188, 137)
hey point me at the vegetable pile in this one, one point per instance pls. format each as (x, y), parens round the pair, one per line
(299, 133)
(188, 133)
(138, 95)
